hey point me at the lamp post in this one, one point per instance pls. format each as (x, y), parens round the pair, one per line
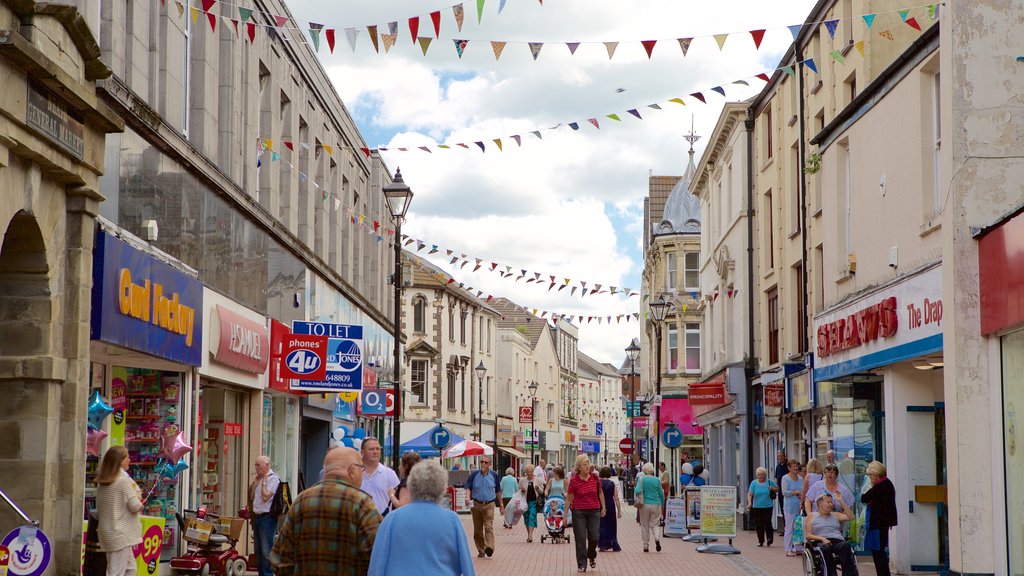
(632, 352)
(533, 421)
(480, 370)
(658, 309)
(398, 196)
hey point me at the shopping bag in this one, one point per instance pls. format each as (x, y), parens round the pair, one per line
(519, 503)
(512, 514)
(798, 530)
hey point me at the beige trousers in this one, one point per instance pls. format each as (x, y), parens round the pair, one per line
(650, 514)
(483, 526)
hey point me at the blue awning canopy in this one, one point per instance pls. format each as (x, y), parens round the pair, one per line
(420, 445)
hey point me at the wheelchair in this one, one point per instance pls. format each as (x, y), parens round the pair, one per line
(814, 560)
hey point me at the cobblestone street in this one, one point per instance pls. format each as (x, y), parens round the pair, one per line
(514, 556)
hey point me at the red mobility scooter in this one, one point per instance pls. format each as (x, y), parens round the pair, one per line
(211, 546)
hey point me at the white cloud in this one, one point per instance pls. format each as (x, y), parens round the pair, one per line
(571, 204)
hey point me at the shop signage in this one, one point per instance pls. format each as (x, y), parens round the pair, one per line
(640, 422)
(675, 517)
(147, 554)
(638, 408)
(376, 402)
(344, 357)
(232, 429)
(718, 511)
(774, 395)
(590, 446)
(29, 549)
(599, 429)
(526, 414)
(505, 437)
(304, 357)
(239, 342)
(692, 495)
(898, 322)
(800, 386)
(50, 116)
(707, 394)
(144, 304)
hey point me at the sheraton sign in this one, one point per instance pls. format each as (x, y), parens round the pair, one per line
(865, 325)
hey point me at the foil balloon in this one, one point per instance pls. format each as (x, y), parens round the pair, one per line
(98, 410)
(173, 447)
(178, 468)
(93, 438)
(164, 469)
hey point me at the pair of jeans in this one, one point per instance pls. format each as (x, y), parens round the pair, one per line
(839, 549)
(264, 528)
(763, 524)
(586, 527)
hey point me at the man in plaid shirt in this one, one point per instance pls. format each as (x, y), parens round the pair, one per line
(331, 526)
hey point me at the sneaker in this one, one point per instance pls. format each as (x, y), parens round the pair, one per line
(657, 545)
(488, 551)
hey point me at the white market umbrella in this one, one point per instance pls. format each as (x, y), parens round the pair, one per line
(468, 448)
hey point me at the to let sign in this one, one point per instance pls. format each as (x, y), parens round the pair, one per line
(526, 414)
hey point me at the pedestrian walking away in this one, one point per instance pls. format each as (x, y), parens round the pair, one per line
(421, 537)
(509, 487)
(882, 515)
(378, 480)
(761, 504)
(264, 524)
(330, 528)
(609, 537)
(118, 503)
(586, 500)
(484, 488)
(648, 497)
(399, 495)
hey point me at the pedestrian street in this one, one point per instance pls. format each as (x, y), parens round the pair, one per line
(513, 556)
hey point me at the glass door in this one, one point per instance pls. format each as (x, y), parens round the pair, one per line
(222, 478)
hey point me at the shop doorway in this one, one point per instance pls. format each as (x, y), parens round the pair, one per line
(929, 521)
(224, 461)
(316, 436)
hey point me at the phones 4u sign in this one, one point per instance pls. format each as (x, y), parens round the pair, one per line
(343, 361)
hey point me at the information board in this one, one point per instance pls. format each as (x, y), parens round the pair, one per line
(675, 517)
(692, 496)
(718, 511)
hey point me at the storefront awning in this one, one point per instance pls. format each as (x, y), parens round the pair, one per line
(513, 452)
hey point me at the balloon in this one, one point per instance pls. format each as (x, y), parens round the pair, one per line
(706, 474)
(178, 468)
(685, 479)
(346, 442)
(93, 438)
(698, 481)
(687, 468)
(698, 469)
(357, 443)
(695, 463)
(164, 469)
(359, 433)
(173, 447)
(98, 410)
(339, 433)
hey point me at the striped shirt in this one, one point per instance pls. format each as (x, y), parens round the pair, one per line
(329, 530)
(117, 513)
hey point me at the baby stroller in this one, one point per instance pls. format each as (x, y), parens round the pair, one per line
(555, 519)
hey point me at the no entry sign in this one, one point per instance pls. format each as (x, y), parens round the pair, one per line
(626, 446)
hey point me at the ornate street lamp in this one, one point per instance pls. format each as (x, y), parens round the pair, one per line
(658, 309)
(533, 421)
(632, 353)
(481, 371)
(398, 197)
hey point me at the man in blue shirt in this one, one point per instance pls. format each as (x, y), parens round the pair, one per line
(484, 487)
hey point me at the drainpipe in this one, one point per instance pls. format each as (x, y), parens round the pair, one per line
(750, 368)
(803, 203)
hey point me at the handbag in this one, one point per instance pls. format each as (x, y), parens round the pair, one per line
(798, 530)
(638, 498)
(772, 493)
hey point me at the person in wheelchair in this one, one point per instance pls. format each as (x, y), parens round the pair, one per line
(825, 528)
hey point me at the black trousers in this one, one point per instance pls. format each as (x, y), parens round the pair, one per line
(881, 557)
(586, 527)
(839, 549)
(763, 524)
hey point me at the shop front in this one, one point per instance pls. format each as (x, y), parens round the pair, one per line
(280, 413)
(147, 332)
(508, 455)
(569, 448)
(230, 405)
(878, 365)
(719, 408)
(1001, 282)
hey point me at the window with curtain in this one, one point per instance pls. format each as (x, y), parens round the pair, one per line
(418, 377)
(673, 349)
(693, 347)
(451, 386)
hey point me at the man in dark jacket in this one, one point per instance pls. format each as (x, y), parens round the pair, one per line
(781, 469)
(881, 503)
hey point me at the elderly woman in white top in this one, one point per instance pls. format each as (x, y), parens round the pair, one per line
(118, 503)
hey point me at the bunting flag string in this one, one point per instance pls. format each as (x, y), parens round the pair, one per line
(576, 125)
(532, 313)
(310, 34)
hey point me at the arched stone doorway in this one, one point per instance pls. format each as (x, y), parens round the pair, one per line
(25, 299)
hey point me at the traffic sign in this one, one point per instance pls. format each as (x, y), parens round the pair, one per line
(626, 446)
(440, 437)
(671, 437)
(599, 428)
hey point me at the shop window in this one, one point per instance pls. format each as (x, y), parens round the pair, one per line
(280, 429)
(147, 405)
(670, 271)
(224, 480)
(418, 387)
(419, 315)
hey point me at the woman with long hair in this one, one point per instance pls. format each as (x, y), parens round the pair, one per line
(586, 499)
(118, 503)
(399, 495)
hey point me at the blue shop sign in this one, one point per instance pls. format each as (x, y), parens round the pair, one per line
(141, 303)
(591, 446)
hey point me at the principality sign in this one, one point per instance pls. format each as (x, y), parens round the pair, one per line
(49, 115)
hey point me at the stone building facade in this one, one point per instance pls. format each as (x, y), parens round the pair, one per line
(51, 155)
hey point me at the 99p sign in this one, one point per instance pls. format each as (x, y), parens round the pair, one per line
(147, 554)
